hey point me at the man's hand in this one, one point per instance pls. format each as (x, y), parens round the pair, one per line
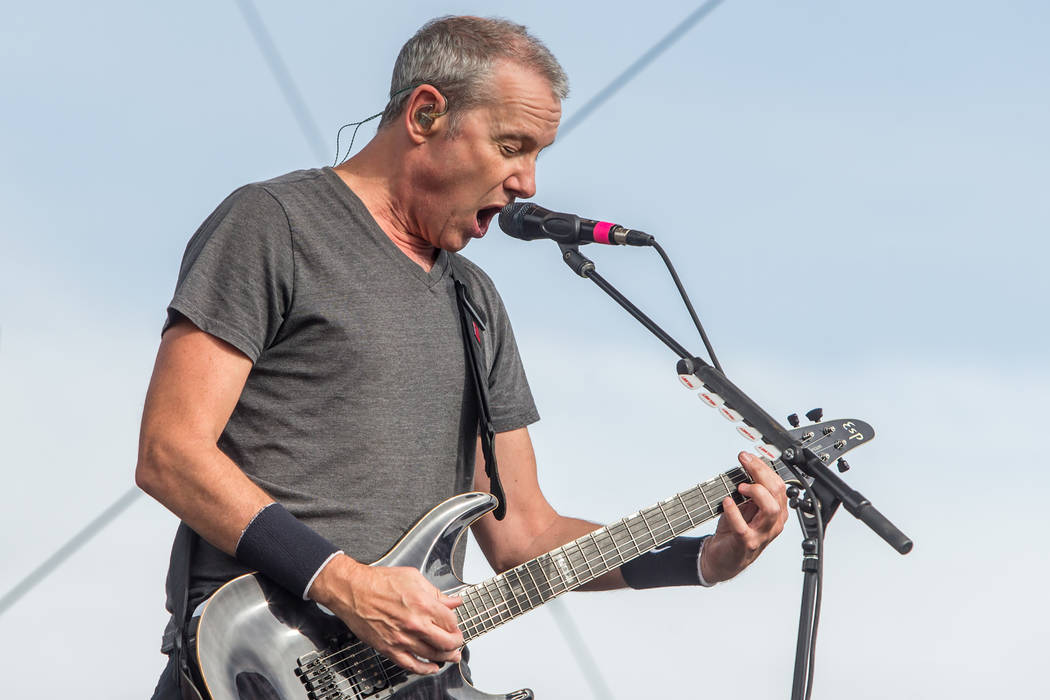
(744, 531)
(393, 609)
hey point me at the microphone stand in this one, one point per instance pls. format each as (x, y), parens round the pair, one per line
(825, 489)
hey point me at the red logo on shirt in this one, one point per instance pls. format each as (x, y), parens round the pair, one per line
(477, 331)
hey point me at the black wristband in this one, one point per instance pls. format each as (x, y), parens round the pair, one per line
(673, 564)
(277, 544)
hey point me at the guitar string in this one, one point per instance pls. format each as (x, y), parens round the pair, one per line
(490, 614)
(493, 612)
(494, 616)
(487, 615)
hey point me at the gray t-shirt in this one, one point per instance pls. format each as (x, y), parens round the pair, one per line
(358, 414)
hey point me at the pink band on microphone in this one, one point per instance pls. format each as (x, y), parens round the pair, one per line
(601, 232)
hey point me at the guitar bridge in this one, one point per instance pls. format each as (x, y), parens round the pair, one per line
(353, 672)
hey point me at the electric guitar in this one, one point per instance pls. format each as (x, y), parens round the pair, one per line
(253, 639)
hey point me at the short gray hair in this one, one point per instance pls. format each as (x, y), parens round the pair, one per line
(457, 54)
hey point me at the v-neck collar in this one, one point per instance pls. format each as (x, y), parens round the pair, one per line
(371, 227)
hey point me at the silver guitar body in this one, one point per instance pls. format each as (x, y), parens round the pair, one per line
(255, 641)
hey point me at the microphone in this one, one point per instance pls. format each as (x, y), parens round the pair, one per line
(530, 222)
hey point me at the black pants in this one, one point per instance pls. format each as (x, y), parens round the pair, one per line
(168, 685)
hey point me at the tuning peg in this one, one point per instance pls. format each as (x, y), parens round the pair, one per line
(843, 465)
(793, 420)
(815, 415)
(792, 491)
(793, 503)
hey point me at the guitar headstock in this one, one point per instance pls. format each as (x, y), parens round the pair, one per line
(829, 440)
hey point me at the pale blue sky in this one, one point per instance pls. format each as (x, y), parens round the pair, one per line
(854, 194)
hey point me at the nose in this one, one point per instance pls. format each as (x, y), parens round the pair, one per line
(522, 182)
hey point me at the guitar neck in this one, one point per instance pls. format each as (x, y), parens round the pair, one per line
(517, 591)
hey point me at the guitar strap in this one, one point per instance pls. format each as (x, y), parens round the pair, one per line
(179, 574)
(472, 323)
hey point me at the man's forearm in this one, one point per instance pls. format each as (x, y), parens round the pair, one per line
(203, 487)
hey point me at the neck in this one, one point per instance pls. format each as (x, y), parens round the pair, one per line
(373, 175)
(514, 592)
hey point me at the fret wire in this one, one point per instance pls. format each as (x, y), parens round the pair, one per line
(640, 548)
(744, 477)
(562, 562)
(493, 608)
(703, 508)
(675, 530)
(686, 509)
(634, 541)
(535, 585)
(729, 489)
(703, 492)
(483, 613)
(586, 562)
(494, 585)
(602, 538)
(670, 527)
(537, 570)
(582, 577)
(599, 548)
(473, 602)
(487, 603)
(578, 574)
(630, 523)
(508, 592)
(720, 487)
(645, 522)
(521, 584)
(612, 538)
(467, 621)
(551, 571)
(616, 545)
(492, 615)
(468, 618)
(476, 594)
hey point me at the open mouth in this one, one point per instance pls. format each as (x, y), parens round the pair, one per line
(485, 216)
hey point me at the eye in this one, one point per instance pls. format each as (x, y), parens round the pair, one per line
(507, 150)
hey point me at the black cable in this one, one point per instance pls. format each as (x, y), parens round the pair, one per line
(689, 306)
(819, 594)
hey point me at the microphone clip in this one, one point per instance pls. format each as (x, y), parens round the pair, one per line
(577, 261)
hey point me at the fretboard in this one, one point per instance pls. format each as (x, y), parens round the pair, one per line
(517, 591)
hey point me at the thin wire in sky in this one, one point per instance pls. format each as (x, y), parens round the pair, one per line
(640, 64)
(312, 134)
(69, 548)
(284, 79)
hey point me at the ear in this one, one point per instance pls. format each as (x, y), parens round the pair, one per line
(423, 110)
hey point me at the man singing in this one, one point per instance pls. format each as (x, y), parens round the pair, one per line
(312, 397)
